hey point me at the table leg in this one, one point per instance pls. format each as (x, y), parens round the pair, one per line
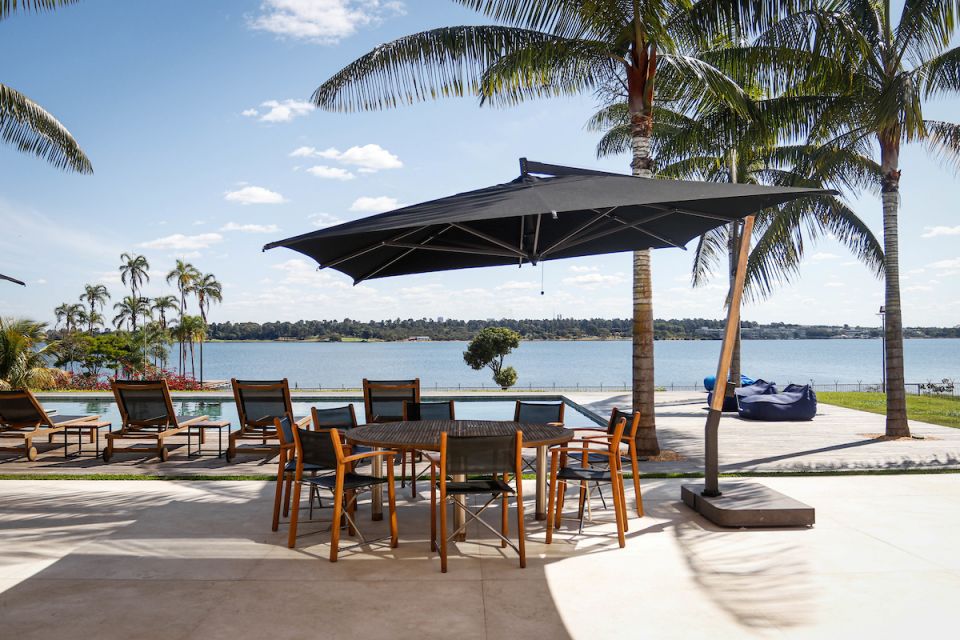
(376, 491)
(459, 516)
(541, 510)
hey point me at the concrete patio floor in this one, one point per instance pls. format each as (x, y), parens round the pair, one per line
(158, 560)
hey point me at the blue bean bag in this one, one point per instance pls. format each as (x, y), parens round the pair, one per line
(711, 381)
(758, 387)
(794, 403)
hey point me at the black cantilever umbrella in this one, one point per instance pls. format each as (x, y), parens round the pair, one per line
(13, 280)
(560, 213)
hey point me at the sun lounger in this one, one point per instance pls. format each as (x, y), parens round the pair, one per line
(146, 411)
(22, 418)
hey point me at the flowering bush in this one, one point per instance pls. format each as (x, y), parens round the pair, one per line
(83, 382)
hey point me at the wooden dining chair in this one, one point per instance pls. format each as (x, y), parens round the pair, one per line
(383, 401)
(326, 449)
(589, 477)
(438, 410)
(540, 413)
(630, 456)
(494, 459)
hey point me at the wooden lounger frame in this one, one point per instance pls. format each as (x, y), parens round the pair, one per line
(30, 429)
(157, 429)
(261, 430)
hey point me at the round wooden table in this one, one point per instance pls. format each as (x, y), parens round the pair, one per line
(425, 435)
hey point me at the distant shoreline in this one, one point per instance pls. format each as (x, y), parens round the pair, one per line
(594, 339)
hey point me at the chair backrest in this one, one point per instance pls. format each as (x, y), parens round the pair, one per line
(633, 422)
(260, 402)
(144, 403)
(322, 448)
(383, 399)
(480, 454)
(334, 418)
(429, 410)
(617, 434)
(538, 412)
(19, 408)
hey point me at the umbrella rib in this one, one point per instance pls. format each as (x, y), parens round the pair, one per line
(637, 226)
(403, 255)
(536, 237)
(589, 223)
(368, 249)
(450, 249)
(491, 240)
(13, 280)
(688, 212)
(607, 232)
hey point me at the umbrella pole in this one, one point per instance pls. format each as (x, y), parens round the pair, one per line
(712, 429)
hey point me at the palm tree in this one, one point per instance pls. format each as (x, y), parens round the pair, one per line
(187, 330)
(716, 144)
(208, 290)
(70, 314)
(893, 70)
(128, 310)
(563, 47)
(161, 305)
(183, 275)
(28, 126)
(60, 313)
(95, 295)
(23, 365)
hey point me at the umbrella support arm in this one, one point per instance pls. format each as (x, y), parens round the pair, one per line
(712, 428)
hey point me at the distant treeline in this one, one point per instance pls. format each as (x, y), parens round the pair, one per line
(546, 329)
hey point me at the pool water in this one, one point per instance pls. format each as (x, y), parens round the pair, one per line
(466, 409)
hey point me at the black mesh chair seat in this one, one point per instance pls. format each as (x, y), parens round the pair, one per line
(350, 481)
(584, 473)
(491, 486)
(291, 466)
(594, 458)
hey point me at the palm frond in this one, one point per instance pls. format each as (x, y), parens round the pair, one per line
(940, 75)
(564, 18)
(32, 129)
(925, 28)
(617, 140)
(943, 141)
(712, 247)
(448, 61)
(9, 7)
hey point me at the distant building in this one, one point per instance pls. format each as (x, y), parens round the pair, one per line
(418, 339)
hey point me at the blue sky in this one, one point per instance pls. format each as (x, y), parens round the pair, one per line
(193, 115)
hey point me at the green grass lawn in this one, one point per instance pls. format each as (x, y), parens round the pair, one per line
(942, 410)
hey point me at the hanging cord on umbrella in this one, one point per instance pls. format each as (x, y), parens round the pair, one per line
(541, 277)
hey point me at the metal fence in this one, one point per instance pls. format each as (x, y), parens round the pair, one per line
(947, 388)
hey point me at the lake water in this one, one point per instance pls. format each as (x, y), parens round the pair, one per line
(568, 364)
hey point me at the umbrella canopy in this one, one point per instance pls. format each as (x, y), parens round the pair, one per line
(563, 212)
(13, 280)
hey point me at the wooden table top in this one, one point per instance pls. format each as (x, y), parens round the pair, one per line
(425, 434)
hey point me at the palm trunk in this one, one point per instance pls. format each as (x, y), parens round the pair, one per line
(643, 349)
(897, 425)
(193, 371)
(201, 363)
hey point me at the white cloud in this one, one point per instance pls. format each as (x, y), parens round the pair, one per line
(581, 269)
(953, 263)
(254, 195)
(368, 204)
(321, 21)
(822, 256)
(250, 113)
(517, 285)
(835, 285)
(250, 228)
(282, 110)
(323, 220)
(40, 281)
(933, 232)
(179, 241)
(330, 173)
(919, 287)
(594, 280)
(370, 158)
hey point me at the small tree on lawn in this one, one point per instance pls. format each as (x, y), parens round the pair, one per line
(489, 348)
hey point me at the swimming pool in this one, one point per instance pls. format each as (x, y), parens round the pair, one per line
(466, 409)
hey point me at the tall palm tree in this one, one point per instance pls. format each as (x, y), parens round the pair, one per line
(183, 275)
(716, 144)
(135, 271)
(23, 364)
(25, 124)
(188, 330)
(60, 313)
(70, 314)
(545, 48)
(128, 310)
(161, 305)
(894, 67)
(208, 290)
(95, 295)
